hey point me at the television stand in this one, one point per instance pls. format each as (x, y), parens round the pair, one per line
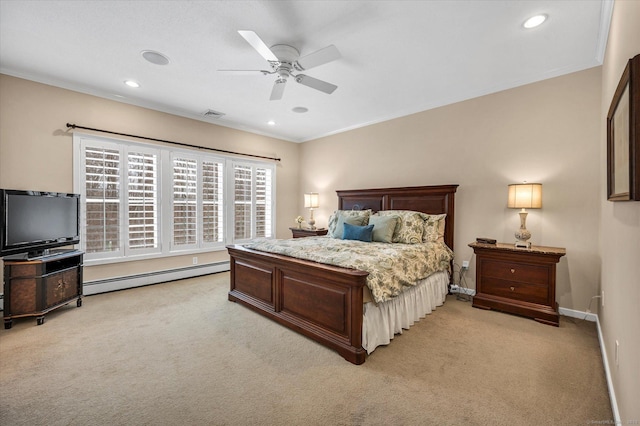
(34, 287)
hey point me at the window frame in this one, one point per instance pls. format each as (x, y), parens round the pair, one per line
(230, 211)
(198, 203)
(124, 231)
(165, 246)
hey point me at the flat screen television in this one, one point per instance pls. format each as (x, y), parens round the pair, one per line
(33, 222)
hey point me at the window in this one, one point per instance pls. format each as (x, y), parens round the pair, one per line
(263, 202)
(252, 202)
(185, 199)
(212, 202)
(242, 182)
(209, 200)
(142, 200)
(102, 196)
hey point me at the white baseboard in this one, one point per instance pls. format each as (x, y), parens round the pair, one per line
(588, 316)
(607, 373)
(131, 281)
(457, 289)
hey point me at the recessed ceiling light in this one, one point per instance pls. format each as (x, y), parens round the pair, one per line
(131, 83)
(155, 57)
(300, 109)
(534, 21)
(271, 123)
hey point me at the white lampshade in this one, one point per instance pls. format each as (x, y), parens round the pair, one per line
(525, 196)
(311, 200)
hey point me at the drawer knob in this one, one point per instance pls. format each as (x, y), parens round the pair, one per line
(512, 288)
(513, 271)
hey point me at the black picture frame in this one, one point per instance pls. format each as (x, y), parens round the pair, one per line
(623, 136)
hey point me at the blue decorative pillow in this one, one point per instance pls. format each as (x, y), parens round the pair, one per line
(354, 217)
(355, 232)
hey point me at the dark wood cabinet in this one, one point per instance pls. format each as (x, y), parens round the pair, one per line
(516, 280)
(305, 232)
(34, 287)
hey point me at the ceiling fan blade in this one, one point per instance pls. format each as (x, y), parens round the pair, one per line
(320, 57)
(257, 43)
(314, 83)
(278, 89)
(247, 72)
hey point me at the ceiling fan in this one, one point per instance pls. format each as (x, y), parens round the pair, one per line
(285, 60)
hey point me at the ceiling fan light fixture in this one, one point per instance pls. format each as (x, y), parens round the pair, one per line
(284, 60)
(535, 21)
(155, 57)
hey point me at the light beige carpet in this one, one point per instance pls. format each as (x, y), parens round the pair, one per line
(181, 353)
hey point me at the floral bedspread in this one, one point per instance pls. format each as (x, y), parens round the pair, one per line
(391, 267)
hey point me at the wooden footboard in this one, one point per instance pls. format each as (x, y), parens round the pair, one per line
(320, 301)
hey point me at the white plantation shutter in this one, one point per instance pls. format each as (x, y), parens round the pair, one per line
(185, 201)
(212, 202)
(243, 178)
(253, 201)
(137, 196)
(102, 195)
(263, 202)
(142, 200)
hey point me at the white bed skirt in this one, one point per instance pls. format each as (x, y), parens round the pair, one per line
(389, 318)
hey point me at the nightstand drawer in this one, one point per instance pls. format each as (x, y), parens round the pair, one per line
(516, 290)
(513, 271)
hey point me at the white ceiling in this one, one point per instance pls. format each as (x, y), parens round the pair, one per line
(398, 57)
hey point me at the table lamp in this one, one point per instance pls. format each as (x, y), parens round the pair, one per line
(524, 196)
(311, 202)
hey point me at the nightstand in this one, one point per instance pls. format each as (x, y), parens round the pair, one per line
(517, 280)
(306, 232)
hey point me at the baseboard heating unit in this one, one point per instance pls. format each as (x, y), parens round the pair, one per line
(156, 277)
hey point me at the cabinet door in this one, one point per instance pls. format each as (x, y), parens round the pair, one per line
(61, 286)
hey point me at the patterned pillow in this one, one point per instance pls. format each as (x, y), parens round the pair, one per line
(434, 228)
(337, 219)
(410, 227)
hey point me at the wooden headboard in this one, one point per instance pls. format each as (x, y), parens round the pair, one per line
(435, 199)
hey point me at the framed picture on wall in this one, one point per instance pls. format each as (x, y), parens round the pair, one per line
(623, 136)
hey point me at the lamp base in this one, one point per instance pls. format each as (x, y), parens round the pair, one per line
(522, 235)
(311, 221)
(523, 244)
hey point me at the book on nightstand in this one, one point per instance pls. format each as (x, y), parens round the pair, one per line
(483, 240)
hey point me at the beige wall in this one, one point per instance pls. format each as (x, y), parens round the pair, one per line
(620, 233)
(36, 150)
(545, 132)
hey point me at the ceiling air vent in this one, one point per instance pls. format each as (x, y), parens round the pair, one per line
(212, 114)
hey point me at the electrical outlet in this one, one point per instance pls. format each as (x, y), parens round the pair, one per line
(195, 260)
(465, 264)
(602, 299)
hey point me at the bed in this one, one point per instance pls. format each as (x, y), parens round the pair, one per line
(321, 301)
